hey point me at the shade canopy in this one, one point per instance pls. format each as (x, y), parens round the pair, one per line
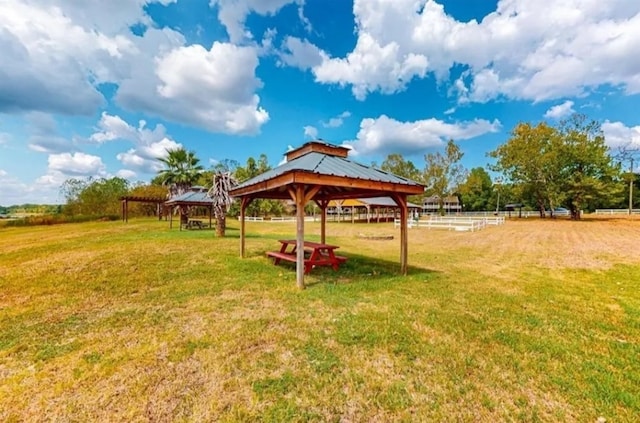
(195, 197)
(321, 172)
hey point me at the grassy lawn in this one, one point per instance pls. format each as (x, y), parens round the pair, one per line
(531, 321)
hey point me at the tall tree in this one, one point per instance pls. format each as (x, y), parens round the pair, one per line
(396, 164)
(259, 206)
(94, 197)
(569, 163)
(530, 160)
(182, 170)
(476, 191)
(443, 172)
(587, 166)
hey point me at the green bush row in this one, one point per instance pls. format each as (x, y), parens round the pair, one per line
(55, 219)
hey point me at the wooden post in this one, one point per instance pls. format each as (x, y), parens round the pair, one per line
(122, 204)
(170, 218)
(401, 201)
(244, 203)
(299, 235)
(323, 219)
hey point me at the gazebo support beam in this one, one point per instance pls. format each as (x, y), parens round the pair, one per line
(401, 201)
(323, 219)
(300, 202)
(244, 203)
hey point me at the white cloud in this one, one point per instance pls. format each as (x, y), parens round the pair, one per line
(233, 13)
(560, 111)
(311, 132)
(301, 53)
(112, 127)
(212, 88)
(336, 121)
(385, 135)
(44, 137)
(15, 191)
(126, 174)
(524, 50)
(4, 138)
(373, 66)
(145, 158)
(76, 164)
(49, 144)
(150, 144)
(55, 54)
(618, 135)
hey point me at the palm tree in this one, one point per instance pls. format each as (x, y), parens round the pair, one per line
(181, 172)
(223, 181)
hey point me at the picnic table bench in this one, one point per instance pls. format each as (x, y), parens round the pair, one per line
(316, 254)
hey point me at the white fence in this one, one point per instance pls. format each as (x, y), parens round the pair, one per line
(617, 211)
(278, 219)
(503, 213)
(456, 223)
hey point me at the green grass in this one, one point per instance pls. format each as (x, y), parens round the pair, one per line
(127, 322)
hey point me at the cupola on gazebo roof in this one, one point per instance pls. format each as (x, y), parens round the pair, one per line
(320, 172)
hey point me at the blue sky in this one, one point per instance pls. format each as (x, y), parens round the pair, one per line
(104, 88)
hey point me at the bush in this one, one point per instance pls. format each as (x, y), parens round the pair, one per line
(55, 219)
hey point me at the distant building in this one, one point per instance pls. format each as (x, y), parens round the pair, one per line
(432, 204)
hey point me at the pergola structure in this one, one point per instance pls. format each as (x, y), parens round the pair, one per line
(158, 201)
(321, 172)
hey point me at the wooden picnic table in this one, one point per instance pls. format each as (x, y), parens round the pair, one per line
(194, 224)
(316, 254)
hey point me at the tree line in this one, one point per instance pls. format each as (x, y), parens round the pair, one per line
(540, 166)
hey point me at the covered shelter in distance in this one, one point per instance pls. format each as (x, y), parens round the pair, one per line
(321, 172)
(375, 209)
(195, 197)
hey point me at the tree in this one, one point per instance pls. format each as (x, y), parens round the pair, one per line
(529, 160)
(259, 206)
(94, 197)
(587, 167)
(629, 153)
(443, 173)
(476, 191)
(396, 164)
(146, 190)
(223, 182)
(181, 170)
(553, 165)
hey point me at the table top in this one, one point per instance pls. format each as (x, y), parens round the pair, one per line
(310, 244)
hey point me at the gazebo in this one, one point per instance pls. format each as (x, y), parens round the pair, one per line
(321, 172)
(195, 197)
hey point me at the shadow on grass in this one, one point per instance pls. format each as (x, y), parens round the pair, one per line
(359, 268)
